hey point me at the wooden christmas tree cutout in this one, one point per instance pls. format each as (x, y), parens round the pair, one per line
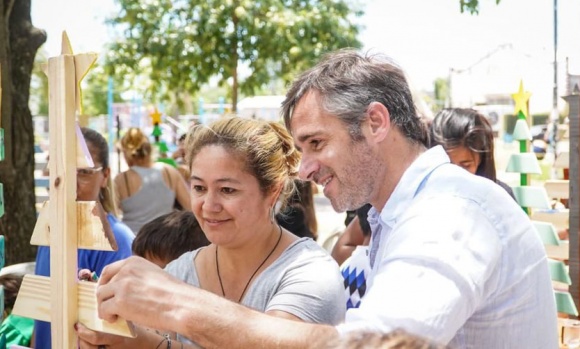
(62, 299)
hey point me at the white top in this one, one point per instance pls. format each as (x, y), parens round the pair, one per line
(457, 261)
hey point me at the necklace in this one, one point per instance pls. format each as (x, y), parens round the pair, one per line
(255, 271)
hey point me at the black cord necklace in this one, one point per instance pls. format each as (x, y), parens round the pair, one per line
(255, 271)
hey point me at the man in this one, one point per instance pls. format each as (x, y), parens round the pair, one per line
(453, 257)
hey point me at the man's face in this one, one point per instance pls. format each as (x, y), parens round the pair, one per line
(330, 157)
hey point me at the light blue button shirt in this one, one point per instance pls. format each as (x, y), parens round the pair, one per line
(456, 261)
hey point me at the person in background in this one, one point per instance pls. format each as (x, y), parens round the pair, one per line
(357, 233)
(93, 184)
(353, 246)
(147, 189)
(467, 137)
(167, 237)
(179, 153)
(299, 216)
(453, 258)
(240, 170)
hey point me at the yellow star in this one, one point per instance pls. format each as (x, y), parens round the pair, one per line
(521, 98)
(156, 116)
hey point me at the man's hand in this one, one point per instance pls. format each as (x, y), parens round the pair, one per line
(139, 291)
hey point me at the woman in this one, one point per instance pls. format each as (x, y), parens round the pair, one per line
(147, 190)
(467, 137)
(240, 168)
(93, 184)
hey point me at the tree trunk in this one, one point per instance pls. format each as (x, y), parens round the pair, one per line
(19, 41)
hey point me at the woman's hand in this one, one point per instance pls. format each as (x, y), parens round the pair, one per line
(89, 339)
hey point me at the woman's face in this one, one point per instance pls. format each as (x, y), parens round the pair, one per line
(91, 180)
(226, 199)
(464, 157)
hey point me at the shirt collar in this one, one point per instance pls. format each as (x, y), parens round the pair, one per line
(409, 185)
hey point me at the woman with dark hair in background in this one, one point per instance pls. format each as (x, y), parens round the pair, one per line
(467, 137)
(93, 184)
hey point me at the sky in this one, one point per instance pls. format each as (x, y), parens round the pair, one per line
(426, 37)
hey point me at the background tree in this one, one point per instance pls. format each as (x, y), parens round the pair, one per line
(440, 93)
(39, 85)
(96, 92)
(471, 6)
(184, 43)
(19, 41)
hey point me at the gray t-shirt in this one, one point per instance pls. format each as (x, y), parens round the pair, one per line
(304, 281)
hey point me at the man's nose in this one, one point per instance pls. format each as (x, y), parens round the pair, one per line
(308, 167)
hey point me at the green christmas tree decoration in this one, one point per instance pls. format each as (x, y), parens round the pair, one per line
(2, 151)
(2, 254)
(525, 163)
(156, 132)
(162, 148)
(1, 200)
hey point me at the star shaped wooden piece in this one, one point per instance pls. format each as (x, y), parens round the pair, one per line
(521, 98)
(156, 116)
(83, 63)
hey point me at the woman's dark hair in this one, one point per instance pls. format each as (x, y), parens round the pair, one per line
(456, 127)
(299, 216)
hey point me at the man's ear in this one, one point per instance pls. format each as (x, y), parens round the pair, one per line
(379, 121)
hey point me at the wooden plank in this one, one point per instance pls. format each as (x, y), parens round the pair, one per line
(562, 160)
(558, 188)
(559, 218)
(34, 302)
(573, 202)
(93, 229)
(560, 252)
(63, 218)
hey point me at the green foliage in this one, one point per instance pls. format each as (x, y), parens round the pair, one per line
(471, 6)
(39, 84)
(441, 92)
(95, 92)
(181, 44)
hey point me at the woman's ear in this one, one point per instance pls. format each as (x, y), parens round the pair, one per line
(379, 120)
(275, 193)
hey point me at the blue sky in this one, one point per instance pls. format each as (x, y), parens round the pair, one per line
(427, 37)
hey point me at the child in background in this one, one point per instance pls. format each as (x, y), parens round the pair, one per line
(356, 268)
(169, 236)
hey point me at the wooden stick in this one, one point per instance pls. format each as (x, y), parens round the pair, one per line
(63, 217)
(34, 302)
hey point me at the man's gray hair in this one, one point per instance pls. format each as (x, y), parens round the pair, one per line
(347, 82)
